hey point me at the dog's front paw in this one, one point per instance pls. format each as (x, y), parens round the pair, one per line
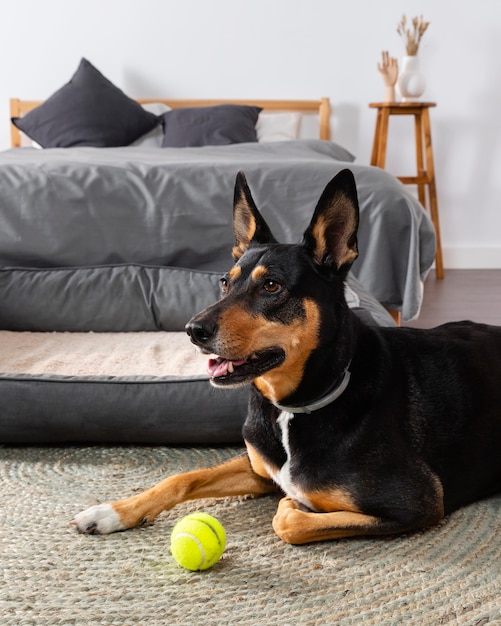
(101, 519)
(289, 521)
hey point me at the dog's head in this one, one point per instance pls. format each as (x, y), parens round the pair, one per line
(279, 298)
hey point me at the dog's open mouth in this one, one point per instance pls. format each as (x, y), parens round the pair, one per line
(240, 371)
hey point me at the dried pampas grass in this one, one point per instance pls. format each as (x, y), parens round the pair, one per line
(412, 37)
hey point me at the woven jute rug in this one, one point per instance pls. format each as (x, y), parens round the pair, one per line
(51, 575)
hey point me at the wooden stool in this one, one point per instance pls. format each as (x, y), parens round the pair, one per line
(425, 176)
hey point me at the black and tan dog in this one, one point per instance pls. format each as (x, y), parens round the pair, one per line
(367, 431)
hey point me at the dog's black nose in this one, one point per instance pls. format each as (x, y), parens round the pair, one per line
(200, 332)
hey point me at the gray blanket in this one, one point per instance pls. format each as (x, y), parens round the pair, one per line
(106, 207)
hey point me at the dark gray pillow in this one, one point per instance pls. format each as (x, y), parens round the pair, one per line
(88, 111)
(210, 126)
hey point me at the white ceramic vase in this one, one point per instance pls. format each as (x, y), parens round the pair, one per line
(411, 82)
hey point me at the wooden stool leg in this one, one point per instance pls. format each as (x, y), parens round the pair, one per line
(418, 130)
(432, 191)
(396, 315)
(378, 157)
(377, 134)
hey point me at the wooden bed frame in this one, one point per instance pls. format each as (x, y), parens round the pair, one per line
(18, 108)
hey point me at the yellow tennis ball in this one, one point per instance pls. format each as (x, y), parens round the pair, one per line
(197, 541)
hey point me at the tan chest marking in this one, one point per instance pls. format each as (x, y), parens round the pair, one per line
(258, 464)
(327, 501)
(280, 475)
(332, 500)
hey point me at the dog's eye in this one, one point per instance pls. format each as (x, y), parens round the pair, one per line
(271, 286)
(224, 284)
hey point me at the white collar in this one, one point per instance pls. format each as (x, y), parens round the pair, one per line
(319, 404)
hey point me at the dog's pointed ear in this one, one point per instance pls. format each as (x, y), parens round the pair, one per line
(248, 223)
(331, 237)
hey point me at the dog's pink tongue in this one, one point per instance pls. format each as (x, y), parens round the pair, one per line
(219, 366)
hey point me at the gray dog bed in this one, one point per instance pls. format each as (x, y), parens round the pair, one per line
(64, 377)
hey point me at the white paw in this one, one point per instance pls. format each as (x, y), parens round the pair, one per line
(100, 519)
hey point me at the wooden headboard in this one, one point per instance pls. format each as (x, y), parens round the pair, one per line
(18, 108)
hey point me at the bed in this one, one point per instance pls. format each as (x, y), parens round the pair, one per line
(107, 250)
(396, 237)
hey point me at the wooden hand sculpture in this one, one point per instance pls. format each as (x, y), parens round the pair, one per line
(389, 71)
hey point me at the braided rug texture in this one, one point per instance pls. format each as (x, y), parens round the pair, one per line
(51, 575)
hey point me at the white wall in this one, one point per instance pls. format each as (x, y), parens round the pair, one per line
(292, 49)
